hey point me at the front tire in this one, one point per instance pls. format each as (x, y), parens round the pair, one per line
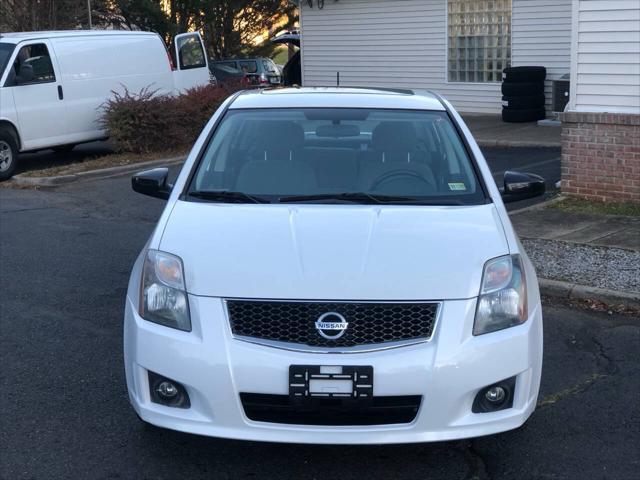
(8, 154)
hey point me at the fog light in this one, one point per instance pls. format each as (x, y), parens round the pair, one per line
(493, 398)
(165, 391)
(495, 394)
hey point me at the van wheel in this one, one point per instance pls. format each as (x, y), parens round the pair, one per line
(64, 148)
(8, 154)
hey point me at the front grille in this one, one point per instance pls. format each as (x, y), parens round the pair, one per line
(368, 323)
(261, 407)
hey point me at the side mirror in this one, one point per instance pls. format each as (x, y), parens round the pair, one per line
(153, 183)
(519, 186)
(26, 74)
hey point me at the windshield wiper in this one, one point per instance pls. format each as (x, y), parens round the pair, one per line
(351, 197)
(367, 198)
(227, 196)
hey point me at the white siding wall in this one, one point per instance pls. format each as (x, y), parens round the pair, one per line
(402, 43)
(606, 56)
(541, 35)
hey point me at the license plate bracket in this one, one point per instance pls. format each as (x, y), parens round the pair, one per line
(312, 383)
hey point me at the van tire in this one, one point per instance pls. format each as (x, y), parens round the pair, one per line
(523, 115)
(64, 148)
(8, 153)
(524, 74)
(522, 89)
(530, 101)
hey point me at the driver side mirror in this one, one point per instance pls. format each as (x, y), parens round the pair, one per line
(520, 186)
(26, 75)
(153, 183)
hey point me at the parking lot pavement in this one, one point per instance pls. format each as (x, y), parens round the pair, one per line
(65, 257)
(43, 159)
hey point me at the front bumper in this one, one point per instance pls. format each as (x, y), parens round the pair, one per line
(447, 372)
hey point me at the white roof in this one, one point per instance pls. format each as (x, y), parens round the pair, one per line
(337, 97)
(16, 37)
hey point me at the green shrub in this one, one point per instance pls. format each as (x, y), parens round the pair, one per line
(148, 122)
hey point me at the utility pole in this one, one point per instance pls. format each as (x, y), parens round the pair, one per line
(89, 10)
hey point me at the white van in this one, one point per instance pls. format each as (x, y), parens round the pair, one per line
(52, 84)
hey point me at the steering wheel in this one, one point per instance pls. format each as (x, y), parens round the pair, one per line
(386, 177)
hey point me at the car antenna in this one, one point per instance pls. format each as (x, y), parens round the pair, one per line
(337, 79)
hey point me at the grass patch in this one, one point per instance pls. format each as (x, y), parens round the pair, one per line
(281, 56)
(578, 205)
(104, 161)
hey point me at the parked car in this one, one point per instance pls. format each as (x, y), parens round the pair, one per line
(52, 84)
(292, 71)
(259, 71)
(226, 73)
(334, 266)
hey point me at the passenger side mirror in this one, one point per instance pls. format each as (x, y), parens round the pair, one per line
(519, 186)
(26, 75)
(153, 183)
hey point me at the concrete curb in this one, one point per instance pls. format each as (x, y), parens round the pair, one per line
(574, 291)
(517, 144)
(538, 206)
(23, 180)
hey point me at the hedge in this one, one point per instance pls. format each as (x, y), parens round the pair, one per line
(150, 122)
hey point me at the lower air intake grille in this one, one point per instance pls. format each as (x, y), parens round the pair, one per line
(381, 411)
(367, 323)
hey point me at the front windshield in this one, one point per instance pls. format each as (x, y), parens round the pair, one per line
(5, 53)
(395, 156)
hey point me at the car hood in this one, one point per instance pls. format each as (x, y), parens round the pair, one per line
(333, 252)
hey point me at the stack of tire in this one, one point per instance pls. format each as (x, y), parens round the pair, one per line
(523, 94)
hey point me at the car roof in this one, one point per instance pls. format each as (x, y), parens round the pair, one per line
(337, 97)
(16, 37)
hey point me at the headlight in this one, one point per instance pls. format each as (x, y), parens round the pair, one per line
(163, 296)
(503, 296)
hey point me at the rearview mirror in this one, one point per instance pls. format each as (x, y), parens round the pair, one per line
(338, 131)
(520, 186)
(26, 74)
(153, 183)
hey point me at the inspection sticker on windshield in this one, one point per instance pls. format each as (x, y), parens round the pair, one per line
(457, 186)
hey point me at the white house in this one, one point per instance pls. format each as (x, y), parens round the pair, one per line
(605, 59)
(455, 47)
(459, 48)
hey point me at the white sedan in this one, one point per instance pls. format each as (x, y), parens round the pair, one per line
(334, 266)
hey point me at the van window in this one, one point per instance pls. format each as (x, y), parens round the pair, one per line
(249, 66)
(38, 57)
(191, 53)
(6, 49)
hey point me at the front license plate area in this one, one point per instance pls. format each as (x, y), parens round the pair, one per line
(313, 384)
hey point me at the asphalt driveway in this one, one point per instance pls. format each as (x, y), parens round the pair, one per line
(65, 257)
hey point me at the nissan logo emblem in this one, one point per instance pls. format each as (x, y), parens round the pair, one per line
(331, 325)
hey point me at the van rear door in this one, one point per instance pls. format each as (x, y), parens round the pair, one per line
(192, 68)
(38, 95)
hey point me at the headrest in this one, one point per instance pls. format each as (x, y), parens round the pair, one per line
(394, 136)
(279, 135)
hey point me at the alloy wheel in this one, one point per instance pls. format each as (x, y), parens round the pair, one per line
(6, 156)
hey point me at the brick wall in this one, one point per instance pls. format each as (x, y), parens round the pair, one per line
(601, 156)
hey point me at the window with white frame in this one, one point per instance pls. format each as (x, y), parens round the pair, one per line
(479, 40)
